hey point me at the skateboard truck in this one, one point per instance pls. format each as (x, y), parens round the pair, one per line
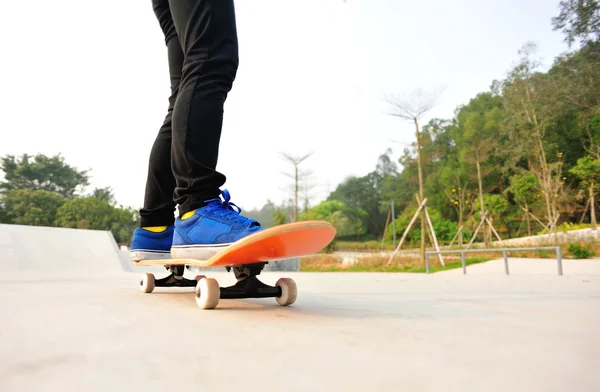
(175, 279)
(248, 285)
(208, 292)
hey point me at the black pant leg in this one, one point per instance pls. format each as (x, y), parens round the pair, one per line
(208, 36)
(159, 206)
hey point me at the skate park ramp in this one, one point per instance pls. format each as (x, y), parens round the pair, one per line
(54, 249)
(61, 250)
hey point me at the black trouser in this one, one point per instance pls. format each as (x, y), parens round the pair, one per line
(202, 48)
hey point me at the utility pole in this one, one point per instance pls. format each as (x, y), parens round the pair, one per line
(393, 220)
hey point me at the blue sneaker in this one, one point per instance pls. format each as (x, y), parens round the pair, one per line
(211, 229)
(147, 245)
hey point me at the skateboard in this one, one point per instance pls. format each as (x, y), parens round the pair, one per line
(246, 258)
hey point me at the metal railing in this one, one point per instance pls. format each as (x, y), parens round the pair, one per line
(504, 254)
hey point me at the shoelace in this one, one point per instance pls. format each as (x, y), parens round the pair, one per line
(227, 209)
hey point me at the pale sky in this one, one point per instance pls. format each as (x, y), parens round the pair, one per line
(311, 78)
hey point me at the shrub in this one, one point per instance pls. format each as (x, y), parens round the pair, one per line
(580, 252)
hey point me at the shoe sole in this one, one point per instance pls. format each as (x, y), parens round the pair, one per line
(197, 252)
(139, 255)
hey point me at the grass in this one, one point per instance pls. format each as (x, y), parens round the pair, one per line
(357, 246)
(544, 254)
(331, 263)
(326, 262)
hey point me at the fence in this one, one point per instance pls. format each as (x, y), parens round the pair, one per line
(504, 254)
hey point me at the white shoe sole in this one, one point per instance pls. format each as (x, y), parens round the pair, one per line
(199, 252)
(139, 255)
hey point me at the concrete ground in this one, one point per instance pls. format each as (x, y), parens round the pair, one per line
(72, 331)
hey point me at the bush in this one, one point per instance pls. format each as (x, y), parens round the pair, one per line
(580, 252)
(445, 229)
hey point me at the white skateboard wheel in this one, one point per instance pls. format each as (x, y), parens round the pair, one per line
(208, 293)
(147, 285)
(198, 277)
(289, 291)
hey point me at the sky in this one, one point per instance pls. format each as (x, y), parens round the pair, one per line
(89, 80)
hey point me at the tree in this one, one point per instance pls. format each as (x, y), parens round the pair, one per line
(460, 199)
(527, 127)
(478, 133)
(363, 193)
(124, 222)
(41, 191)
(264, 216)
(572, 101)
(297, 176)
(366, 193)
(31, 207)
(104, 194)
(97, 214)
(588, 173)
(578, 19)
(445, 229)
(413, 109)
(385, 166)
(495, 206)
(85, 213)
(279, 217)
(524, 187)
(348, 221)
(41, 172)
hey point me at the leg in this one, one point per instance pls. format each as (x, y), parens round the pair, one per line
(208, 36)
(159, 207)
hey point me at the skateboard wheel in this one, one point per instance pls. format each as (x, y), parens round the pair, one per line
(147, 284)
(198, 277)
(289, 291)
(208, 293)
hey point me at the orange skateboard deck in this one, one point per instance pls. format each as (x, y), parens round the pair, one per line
(247, 258)
(275, 243)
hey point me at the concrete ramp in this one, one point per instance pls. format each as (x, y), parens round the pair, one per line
(45, 249)
(35, 248)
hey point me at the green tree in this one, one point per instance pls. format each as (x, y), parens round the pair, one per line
(41, 172)
(441, 163)
(528, 125)
(588, 173)
(524, 187)
(31, 207)
(572, 102)
(124, 222)
(365, 193)
(97, 214)
(264, 215)
(347, 220)
(496, 205)
(578, 19)
(86, 213)
(104, 194)
(445, 229)
(539, 125)
(279, 217)
(459, 197)
(401, 187)
(478, 135)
